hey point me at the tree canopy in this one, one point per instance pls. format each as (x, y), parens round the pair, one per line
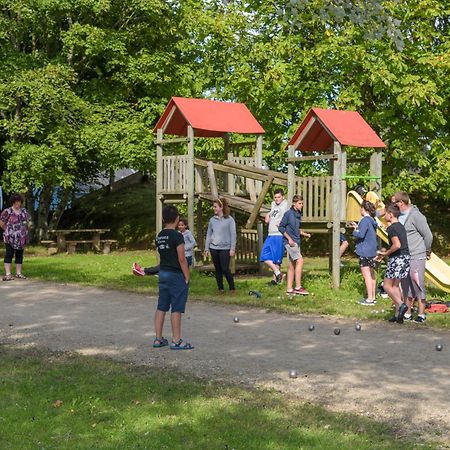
(82, 82)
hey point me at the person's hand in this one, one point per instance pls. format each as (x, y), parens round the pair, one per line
(291, 243)
(354, 225)
(428, 255)
(206, 253)
(308, 235)
(232, 252)
(187, 280)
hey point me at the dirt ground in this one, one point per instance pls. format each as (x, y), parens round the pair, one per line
(385, 371)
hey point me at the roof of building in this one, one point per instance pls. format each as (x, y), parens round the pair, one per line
(208, 118)
(321, 127)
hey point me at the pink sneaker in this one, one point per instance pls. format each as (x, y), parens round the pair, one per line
(300, 291)
(137, 270)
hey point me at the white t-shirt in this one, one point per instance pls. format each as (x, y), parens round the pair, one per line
(276, 214)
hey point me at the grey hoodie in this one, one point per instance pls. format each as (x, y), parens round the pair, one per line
(221, 234)
(418, 233)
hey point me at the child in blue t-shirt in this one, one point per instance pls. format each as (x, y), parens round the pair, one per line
(173, 280)
(365, 233)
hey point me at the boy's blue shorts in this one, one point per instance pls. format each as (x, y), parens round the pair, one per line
(273, 249)
(173, 291)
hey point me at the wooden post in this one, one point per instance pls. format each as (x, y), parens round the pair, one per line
(190, 178)
(159, 175)
(376, 162)
(259, 158)
(226, 146)
(230, 177)
(200, 241)
(343, 197)
(291, 176)
(212, 180)
(336, 215)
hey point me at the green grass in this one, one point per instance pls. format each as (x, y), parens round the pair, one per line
(113, 271)
(64, 401)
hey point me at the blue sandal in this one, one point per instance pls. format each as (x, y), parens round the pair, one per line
(160, 342)
(180, 345)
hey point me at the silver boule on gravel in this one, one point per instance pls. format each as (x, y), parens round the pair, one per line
(358, 327)
(236, 319)
(293, 374)
(337, 331)
(439, 347)
(311, 327)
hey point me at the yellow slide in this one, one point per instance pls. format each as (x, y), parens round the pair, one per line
(437, 271)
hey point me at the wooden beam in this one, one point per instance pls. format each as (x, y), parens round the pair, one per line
(336, 217)
(310, 158)
(259, 202)
(291, 175)
(304, 133)
(168, 118)
(162, 141)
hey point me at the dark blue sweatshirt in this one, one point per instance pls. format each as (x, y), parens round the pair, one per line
(366, 237)
(290, 224)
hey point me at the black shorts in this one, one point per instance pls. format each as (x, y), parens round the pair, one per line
(367, 261)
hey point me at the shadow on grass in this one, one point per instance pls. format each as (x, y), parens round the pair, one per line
(60, 400)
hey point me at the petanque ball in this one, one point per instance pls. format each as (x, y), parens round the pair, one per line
(358, 327)
(311, 327)
(337, 331)
(293, 374)
(235, 319)
(439, 347)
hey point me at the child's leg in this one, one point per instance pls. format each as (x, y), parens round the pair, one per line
(215, 256)
(368, 281)
(298, 272)
(159, 323)
(374, 283)
(175, 320)
(290, 275)
(392, 287)
(224, 256)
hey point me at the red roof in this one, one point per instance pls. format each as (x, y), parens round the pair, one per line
(321, 127)
(208, 118)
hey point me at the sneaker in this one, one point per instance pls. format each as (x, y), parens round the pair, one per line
(401, 312)
(279, 278)
(420, 319)
(366, 302)
(8, 278)
(393, 319)
(21, 276)
(408, 319)
(272, 283)
(137, 270)
(300, 291)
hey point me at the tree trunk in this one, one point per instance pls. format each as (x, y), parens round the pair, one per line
(44, 205)
(59, 210)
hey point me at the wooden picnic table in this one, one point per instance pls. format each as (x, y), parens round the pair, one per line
(61, 236)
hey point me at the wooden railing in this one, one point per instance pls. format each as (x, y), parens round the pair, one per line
(174, 174)
(316, 193)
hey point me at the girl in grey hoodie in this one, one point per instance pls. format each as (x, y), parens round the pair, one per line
(221, 243)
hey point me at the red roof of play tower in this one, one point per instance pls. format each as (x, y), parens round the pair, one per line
(321, 127)
(208, 118)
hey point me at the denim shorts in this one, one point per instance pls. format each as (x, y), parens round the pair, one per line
(173, 291)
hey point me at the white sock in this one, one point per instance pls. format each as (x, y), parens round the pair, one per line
(407, 316)
(277, 272)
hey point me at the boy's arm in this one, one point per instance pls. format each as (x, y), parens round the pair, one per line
(424, 230)
(208, 238)
(183, 262)
(283, 227)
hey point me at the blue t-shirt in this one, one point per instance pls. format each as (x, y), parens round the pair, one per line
(167, 242)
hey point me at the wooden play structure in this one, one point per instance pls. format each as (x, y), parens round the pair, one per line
(241, 179)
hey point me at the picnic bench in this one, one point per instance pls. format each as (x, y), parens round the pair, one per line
(67, 240)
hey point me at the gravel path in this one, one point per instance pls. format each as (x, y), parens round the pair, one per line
(385, 371)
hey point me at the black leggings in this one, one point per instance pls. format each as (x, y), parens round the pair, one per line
(221, 261)
(9, 253)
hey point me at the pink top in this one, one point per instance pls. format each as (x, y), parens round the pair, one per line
(16, 231)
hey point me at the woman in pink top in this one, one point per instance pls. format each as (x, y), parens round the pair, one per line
(14, 222)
